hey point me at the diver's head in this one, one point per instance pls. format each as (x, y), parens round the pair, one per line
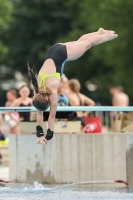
(41, 101)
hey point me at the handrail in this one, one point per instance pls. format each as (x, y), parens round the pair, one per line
(69, 108)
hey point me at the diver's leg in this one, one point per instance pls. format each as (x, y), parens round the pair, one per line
(84, 37)
(77, 49)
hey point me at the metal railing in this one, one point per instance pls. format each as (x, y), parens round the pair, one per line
(101, 111)
(69, 108)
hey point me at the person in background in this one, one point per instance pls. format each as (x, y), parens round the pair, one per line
(12, 118)
(64, 81)
(119, 98)
(1, 120)
(22, 101)
(2, 137)
(0, 159)
(78, 99)
(11, 95)
(62, 97)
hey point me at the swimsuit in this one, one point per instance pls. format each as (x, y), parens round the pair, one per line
(24, 115)
(44, 76)
(58, 54)
(62, 100)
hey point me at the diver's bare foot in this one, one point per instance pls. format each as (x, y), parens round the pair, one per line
(111, 35)
(113, 32)
(101, 31)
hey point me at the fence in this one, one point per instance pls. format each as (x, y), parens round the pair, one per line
(102, 111)
(70, 108)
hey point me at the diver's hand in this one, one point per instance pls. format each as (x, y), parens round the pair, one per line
(40, 135)
(42, 140)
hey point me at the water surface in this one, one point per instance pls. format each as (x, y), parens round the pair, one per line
(38, 191)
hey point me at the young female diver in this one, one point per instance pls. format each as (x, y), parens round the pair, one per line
(47, 81)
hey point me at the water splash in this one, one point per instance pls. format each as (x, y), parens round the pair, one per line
(36, 187)
(39, 187)
(86, 182)
(38, 191)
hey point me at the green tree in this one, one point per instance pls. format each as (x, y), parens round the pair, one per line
(109, 63)
(6, 9)
(37, 24)
(40, 23)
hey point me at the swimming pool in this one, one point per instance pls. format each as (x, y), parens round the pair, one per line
(38, 191)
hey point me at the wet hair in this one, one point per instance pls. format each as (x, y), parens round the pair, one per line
(13, 92)
(40, 102)
(39, 99)
(75, 87)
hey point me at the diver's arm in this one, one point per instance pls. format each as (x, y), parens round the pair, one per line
(39, 128)
(39, 118)
(51, 120)
(53, 106)
(89, 102)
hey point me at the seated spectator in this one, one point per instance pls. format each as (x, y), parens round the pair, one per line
(2, 137)
(62, 98)
(0, 159)
(11, 95)
(12, 118)
(78, 99)
(23, 100)
(119, 98)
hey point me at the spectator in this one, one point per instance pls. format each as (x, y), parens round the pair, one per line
(64, 81)
(12, 118)
(0, 159)
(78, 99)
(1, 120)
(11, 95)
(119, 98)
(2, 137)
(62, 98)
(23, 100)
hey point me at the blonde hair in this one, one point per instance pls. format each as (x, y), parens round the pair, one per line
(39, 99)
(40, 102)
(75, 86)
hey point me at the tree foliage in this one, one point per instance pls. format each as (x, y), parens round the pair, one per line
(6, 10)
(38, 24)
(109, 63)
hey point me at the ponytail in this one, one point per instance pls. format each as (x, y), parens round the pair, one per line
(33, 76)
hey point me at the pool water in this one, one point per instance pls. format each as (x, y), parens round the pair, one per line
(38, 191)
